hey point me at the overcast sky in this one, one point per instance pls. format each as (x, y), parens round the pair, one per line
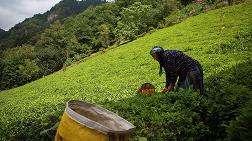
(15, 11)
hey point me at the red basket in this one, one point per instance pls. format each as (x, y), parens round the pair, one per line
(147, 88)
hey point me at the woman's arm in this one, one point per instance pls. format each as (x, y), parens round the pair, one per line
(170, 72)
(171, 78)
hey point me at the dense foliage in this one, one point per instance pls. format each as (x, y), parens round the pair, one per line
(220, 40)
(240, 128)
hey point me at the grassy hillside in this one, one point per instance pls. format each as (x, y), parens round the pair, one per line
(218, 39)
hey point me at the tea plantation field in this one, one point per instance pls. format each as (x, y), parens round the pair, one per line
(221, 40)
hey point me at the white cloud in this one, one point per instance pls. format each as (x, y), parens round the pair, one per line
(15, 11)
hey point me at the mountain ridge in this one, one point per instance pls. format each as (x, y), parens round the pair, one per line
(29, 30)
(1, 30)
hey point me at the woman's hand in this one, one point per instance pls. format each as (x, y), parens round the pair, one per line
(165, 90)
(170, 88)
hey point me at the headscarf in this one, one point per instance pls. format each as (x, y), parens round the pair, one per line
(159, 52)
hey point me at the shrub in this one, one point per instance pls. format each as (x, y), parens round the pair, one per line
(240, 129)
(193, 9)
(174, 18)
(175, 116)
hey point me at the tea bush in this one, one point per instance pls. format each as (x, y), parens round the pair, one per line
(159, 117)
(240, 128)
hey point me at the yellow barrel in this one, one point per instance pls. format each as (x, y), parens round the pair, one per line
(83, 121)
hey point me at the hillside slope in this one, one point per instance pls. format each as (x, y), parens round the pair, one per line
(112, 77)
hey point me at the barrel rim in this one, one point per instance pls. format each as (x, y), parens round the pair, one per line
(93, 124)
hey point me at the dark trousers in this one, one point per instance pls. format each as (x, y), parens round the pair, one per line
(194, 79)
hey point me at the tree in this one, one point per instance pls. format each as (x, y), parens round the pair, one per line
(103, 37)
(54, 36)
(124, 3)
(50, 60)
(27, 71)
(18, 66)
(133, 21)
(94, 27)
